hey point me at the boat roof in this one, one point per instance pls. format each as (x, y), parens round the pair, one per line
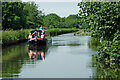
(35, 30)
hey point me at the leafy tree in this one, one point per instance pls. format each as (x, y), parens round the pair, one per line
(62, 22)
(33, 16)
(52, 19)
(12, 15)
(17, 15)
(103, 19)
(71, 21)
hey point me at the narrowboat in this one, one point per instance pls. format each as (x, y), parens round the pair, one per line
(36, 38)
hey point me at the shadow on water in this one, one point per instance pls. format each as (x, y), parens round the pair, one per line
(14, 57)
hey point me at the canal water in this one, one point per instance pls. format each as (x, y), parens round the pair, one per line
(69, 56)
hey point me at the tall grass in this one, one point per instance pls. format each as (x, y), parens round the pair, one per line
(10, 36)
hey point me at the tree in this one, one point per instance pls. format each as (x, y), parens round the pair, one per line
(12, 15)
(71, 21)
(17, 15)
(102, 17)
(52, 19)
(33, 15)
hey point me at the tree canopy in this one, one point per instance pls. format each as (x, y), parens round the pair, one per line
(17, 15)
(72, 21)
(52, 20)
(101, 17)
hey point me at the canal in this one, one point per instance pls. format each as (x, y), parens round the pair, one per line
(69, 56)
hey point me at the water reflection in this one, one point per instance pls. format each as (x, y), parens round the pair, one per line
(14, 57)
(36, 52)
(93, 44)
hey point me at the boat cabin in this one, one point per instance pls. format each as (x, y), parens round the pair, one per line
(39, 37)
(36, 34)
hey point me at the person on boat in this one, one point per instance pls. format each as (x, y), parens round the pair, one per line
(41, 27)
(42, 35)
(43, 30)
(30, 36)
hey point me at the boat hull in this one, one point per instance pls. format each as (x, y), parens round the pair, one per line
(38, 42)
(41, 42)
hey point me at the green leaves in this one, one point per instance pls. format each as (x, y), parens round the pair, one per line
(54, 21)
(103, 19)
(100, 14)
(17, 15)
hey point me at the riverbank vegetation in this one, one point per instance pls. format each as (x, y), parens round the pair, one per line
(54, 31)
(102, 18)
(82, 32)
(15, 36)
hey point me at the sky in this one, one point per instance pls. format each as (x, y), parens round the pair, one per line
(61, 7)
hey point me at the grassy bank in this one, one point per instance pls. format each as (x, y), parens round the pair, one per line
(54, 32)
(82, 32)
(10, 36)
